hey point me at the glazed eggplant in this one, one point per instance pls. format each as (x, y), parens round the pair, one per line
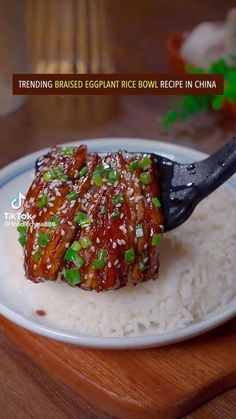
(96, 220)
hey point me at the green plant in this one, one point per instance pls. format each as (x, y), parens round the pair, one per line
(190, 105)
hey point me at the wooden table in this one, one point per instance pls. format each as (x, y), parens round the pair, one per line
(138, 32)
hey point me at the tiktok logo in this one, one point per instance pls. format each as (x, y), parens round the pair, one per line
(18, 201)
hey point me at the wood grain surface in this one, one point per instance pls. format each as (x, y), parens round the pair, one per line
(144, 384)
(138, 29)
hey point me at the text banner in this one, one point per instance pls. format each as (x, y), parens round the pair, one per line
(117, 84)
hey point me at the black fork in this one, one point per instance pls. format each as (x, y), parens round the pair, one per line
(183, 186)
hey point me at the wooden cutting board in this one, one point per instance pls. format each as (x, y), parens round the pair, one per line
(154, 383)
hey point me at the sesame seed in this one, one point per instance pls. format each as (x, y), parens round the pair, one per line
(123, 228)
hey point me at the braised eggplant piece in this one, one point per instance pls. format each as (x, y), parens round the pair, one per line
(95, 220)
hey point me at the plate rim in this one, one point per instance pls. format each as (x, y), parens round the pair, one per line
(227, 312)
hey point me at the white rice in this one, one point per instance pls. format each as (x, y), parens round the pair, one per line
(197, 276)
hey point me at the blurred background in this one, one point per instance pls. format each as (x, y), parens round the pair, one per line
(98, 36)
(103, 36)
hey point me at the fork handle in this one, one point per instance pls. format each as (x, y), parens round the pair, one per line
(215, 169)
(190, 183)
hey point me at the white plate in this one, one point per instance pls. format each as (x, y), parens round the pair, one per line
(17, 177)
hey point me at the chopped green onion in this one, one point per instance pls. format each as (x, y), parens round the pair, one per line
(85, 242)
(156, 239)
(72, 256)
(80, 216)
(78, 261)
(104, 168)
(43, 201)
(72, 276)
(47, 176)
(56, 173)
(54, 221)
(116, 213)
(103, 210)
(156, 202)
(102, 254)
(59, 173)
(76, 246)
(38, 253)
(117, 199)
(43, 239)
(72, 195)
(129, 256)
(67, 151)
(145, 178)
(133, 165)
(146, 163)
(82, 219)
(22, 239)
(83, 171)
(100, 262)
(97, 179)
(85, 223)
(21, 229)
(113, 176)
(139, 230)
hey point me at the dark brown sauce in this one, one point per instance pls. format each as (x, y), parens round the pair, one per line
(41, 313)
